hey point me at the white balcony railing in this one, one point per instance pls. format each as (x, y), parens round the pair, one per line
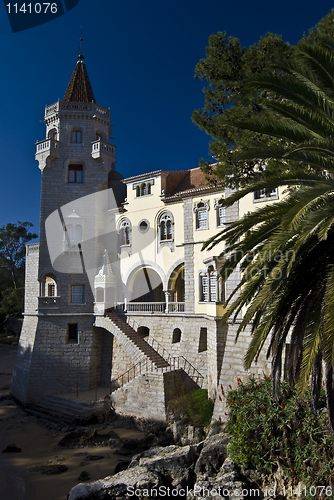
(175, 307)
(146, 306)
(50, 147)
(99, 147)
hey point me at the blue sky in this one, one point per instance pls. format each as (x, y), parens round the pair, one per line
(140, 57)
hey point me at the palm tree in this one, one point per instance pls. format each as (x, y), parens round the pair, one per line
(286, 249)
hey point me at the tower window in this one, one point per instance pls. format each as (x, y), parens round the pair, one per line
(77, 294)
(72, 333)
(75, 174)
(76, 137)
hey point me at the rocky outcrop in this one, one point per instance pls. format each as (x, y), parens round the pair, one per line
(199, 471)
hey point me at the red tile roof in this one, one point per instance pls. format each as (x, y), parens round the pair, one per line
(79, 89)
(191, 180)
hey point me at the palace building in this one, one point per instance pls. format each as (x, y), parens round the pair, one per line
(118, 291)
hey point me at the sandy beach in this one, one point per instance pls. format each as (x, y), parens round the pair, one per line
(17, 480)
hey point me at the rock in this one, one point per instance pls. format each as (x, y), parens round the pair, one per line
(213, 455)
(94, 457)
(174, 463)
(48, 469)
(80, 439)
(228, 483)
(121, 465)
(84, 476)
(12, 448)
(134, 446)
(121, 486)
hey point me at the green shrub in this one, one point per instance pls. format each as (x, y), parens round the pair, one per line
(195, 406)
(265, 433)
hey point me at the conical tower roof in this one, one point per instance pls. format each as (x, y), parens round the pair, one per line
(79, 89)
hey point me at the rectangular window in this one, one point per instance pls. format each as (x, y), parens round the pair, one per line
(262, 194)
(221, 216)
(205, 289)
(51, 290)
(76, 137)
(213, 289)
(75, 174)
(203, 340)
(72, 333)
(202, 219)
(77, 294)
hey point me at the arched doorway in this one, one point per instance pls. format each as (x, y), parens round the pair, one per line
(147, 286)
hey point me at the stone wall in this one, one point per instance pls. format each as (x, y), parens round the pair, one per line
(233, 368)
(147, 396)
(48, 363)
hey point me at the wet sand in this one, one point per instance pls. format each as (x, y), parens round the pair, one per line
(38, 449)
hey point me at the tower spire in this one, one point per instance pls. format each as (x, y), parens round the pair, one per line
(80, 56)
(79, 89)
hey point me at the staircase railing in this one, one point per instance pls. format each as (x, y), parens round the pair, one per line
(157, 353)
(146, 366)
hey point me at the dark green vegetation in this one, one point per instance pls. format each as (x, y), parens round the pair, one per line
(266, 433)
(285, 250)
(13, 238)
(195, 406)
(226, 71)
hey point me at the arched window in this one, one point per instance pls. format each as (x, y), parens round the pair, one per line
(166, 230)
(124, 233)
(76, 137)
(176, 336)
(73, 233)
(143, 189)
(49, 286)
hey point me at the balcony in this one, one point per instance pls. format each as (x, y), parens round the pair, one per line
(152, 307)
(46, 150)
(102, 149)
(48, 302)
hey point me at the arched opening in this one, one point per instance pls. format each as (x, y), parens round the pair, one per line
(147, 286)
(176, 335)
(49, 286)
(143, 331)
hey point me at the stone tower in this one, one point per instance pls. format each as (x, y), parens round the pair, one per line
(59, 347)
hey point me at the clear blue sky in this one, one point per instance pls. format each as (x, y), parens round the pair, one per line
(140, 57)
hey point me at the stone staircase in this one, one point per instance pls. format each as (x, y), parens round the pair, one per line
(56, 412)
(136, 345)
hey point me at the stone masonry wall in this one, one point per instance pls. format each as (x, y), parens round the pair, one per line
(148, 395)
(233, 368)
(161, 328)
(142, 397)
(189, 284)
(49, 363)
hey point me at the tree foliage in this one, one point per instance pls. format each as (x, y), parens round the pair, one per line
(13, 239)
(227, 98)
(285, 250)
